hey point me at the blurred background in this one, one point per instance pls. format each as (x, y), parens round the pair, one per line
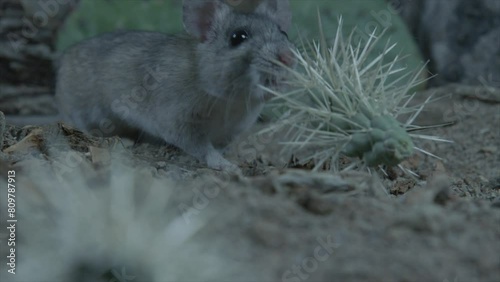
(459, 38)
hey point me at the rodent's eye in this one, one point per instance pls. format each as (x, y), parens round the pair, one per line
(284, 33)
(238, 36)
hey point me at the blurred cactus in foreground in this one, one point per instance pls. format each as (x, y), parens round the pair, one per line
(343, 100)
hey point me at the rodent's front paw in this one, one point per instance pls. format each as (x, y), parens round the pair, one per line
(217, 161)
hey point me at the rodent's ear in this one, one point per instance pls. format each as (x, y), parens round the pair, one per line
(278, 10)
(199, 16)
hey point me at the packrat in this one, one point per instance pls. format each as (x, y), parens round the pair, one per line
(196, 91)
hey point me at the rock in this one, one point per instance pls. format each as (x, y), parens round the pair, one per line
(461, 38)
(28, 31)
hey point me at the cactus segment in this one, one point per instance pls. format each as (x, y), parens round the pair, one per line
(386, 142)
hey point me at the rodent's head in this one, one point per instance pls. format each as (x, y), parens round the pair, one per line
(240, 44)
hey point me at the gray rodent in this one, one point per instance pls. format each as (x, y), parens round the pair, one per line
(196, 91)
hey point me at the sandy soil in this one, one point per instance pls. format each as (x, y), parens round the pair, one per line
(289, 224)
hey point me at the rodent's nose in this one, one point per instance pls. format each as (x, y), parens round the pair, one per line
(287, 58)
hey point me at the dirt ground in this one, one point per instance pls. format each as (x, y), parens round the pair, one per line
(273, 223)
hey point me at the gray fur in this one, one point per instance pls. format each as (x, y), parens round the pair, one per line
(193, 91)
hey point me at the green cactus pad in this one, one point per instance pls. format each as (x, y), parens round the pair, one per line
(385, 143)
